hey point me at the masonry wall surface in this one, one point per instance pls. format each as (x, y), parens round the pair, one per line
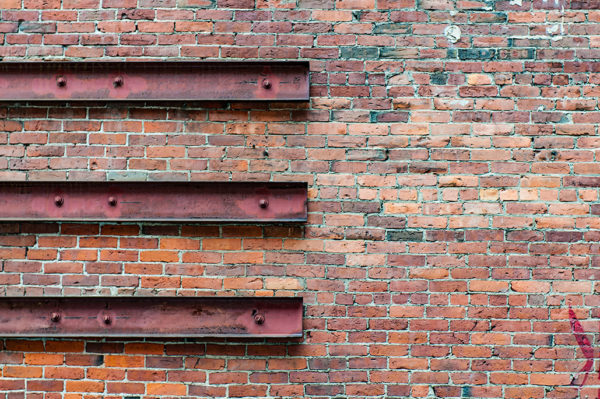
(453, 210)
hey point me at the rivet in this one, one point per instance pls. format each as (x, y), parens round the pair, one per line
(263, 203)
(259, 318)
(118, 82)
(55, 317)
(58, 200)
(61, 81)
(107, 319)
(112, 201)
(266, 84)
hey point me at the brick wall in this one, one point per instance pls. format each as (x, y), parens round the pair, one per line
(453, 198)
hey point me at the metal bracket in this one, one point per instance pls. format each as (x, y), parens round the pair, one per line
(153, 201)
(154, 81)
(150, 317)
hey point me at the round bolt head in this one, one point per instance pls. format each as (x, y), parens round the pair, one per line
(55, 317)
(266, 84)
(58, 200)
(107, 319)
(112, 201)
(61, 81)
(259, 318)
(118, 82)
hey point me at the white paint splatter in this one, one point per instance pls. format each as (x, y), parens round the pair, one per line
(552, 30)
(452, 33)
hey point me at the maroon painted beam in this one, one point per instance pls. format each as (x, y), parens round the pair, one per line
(154, 81)
(153, 201)
(150, 317)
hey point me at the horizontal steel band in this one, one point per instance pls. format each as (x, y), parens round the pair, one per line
(150, 317)
(153, 201)
(154, 81)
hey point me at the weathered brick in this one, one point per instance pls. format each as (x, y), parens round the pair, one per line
(404, 235)
(452, 197)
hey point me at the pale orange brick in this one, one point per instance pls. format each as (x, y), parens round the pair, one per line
(488, 286)
(548, 379)
(406, 311)
(6, 4)
(43, 359)
(402, 208)
(572, 286)
(489, 194)
(344, 246)
(332, 16)
(159, 256)
(365, 259)
(530, 286)
(282, 284)
(345, 220)
(458, 181)
(165, 389)
(429, 273)
(246, 283)
(85, 386)
(22, 372)
(478, 79)
(123, 361)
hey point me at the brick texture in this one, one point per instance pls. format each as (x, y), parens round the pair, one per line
(453, 210)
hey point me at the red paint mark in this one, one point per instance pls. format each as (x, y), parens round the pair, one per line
(586, 348)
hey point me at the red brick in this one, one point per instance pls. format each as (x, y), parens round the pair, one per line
(463, 154)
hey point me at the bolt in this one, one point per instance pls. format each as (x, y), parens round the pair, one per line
(266, 84)
(107, 319)
(118, 82)
(259, 318)
(55, 317)
(112, 201)
(61, 81)
(263, 203)
(59, 201)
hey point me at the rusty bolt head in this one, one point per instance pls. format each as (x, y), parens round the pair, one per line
(259, 318)
(266, 84)
(112, 201)
(263, 203)
(61, 81)
(107, 319)
(58, 200)
(55, 317)
(118, 82)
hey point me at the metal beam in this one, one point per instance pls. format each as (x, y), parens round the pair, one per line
(153, 201)
(154, 81)
(150, 317)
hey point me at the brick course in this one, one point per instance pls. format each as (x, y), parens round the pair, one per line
(453, 197)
